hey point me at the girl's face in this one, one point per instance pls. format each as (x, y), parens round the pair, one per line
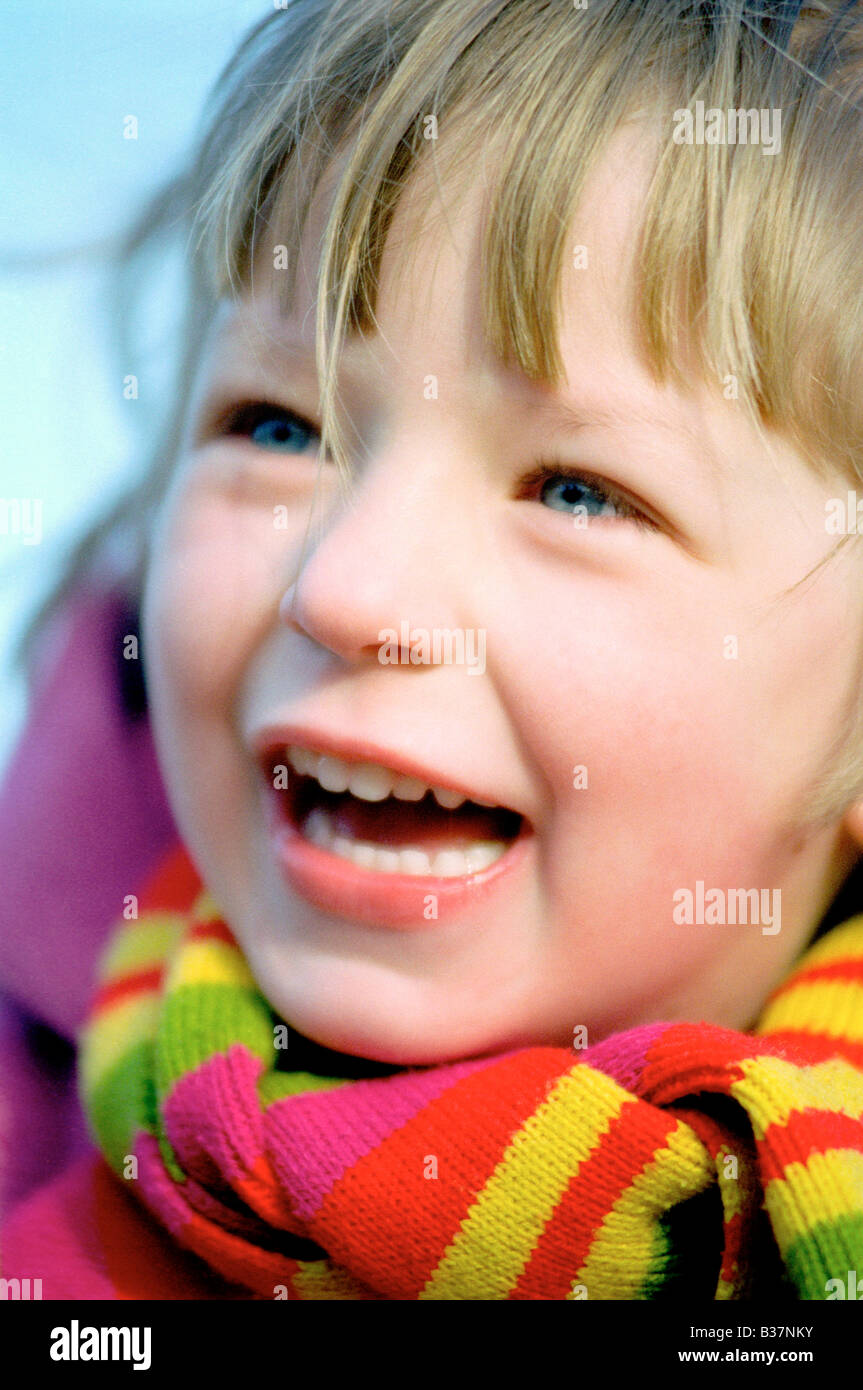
(592, 584)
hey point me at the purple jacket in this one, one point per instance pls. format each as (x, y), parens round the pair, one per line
(83, 820)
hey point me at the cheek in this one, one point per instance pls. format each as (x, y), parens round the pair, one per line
(678, 705)
(611, 695)
(210, 599)
(657, 767)
(217, 574)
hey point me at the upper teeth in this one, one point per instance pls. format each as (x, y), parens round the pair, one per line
(369, 781)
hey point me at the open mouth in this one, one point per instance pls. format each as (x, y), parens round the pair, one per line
(385, 822)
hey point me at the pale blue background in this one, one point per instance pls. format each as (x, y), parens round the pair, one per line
(70, 71)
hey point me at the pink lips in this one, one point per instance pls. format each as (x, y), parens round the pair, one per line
(403, 901)
(343, 889)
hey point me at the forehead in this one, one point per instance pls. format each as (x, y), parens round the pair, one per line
(428, 307)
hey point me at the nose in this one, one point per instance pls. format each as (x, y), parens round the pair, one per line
(395, 552)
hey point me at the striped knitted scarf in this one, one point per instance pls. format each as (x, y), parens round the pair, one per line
(669, 1159)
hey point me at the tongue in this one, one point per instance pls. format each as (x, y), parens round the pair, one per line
(423, 824)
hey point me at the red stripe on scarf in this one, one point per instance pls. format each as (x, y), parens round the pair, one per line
(804, 1133)
(140, 982)
(467, 1135)
(624, 1150)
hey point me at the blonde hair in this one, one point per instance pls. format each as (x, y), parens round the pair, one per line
(751, 265)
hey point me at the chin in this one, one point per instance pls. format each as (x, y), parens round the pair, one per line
(384, 1045)
(377, 1040)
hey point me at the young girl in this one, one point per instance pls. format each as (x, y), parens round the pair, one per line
(504, 673)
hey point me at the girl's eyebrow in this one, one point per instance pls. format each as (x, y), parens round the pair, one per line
(568, 416)
(247, 349)
(699, 451)
(554, 411)
(285, 338)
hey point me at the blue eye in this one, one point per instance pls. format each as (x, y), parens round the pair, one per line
(580, 494)
(563, 493)
(272, 427)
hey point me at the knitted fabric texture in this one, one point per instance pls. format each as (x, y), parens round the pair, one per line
(670, 1159)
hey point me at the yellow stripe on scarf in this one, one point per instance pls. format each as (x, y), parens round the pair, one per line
(526, 1186)
(114, 1033)
(142, 945)
(623, 1249)
(772, 1089)
(209, 962)
(825, 1188)
(832, 1008)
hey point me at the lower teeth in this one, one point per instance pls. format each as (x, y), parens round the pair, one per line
(449, 863)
